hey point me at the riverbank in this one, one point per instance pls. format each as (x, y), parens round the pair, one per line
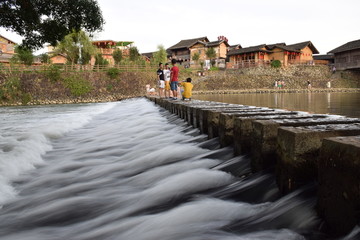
(56, 87)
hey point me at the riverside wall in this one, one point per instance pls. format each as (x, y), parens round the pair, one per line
(300, 148)
(53, 86)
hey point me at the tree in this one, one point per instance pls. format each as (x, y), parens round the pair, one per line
(117, 55)
(211, 54)
(99, 60)
(196, 57)
(70, 45)
(161, 55)
(49, 21)
(134, 54)
(44, 58)
(23, 55)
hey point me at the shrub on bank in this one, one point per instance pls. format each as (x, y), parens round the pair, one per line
(77, 84)
(113, 73)
(276, 64)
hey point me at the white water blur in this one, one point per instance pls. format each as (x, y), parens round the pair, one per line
(25, 134)
(132, 171)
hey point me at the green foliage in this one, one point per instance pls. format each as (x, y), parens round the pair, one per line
(210, 53)
(78, 85)
(44, 58)
(10, 89)
(53, 72)
(160, 56)
(113, 72)
(134, 54)
(214, 69)
(109, 87)
(26, 98)
(117, 55)
(276, 64)
(69, 46)
(99, 60)
(45, 21)
(196, 57)
(23, 55)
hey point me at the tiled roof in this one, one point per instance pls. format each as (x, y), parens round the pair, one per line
(347, 47)
(252, 49)
(188, 43)
(324, 57)
(216, 43)
(148, 55)
(235, 46)
(272, 46)
(302, 45)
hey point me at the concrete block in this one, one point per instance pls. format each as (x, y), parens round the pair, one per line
(298, 152)
(243, 128)
(339, 183)
(265, 134)
(226, 122)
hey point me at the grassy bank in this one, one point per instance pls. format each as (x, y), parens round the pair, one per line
(260, 79)
(54, 86)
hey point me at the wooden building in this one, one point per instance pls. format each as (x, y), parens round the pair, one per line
(107, 47)
(7, 49)
(185, 49)
(347, 56)
(247, 57)
(299, 53)
(58, 59)
(324, 59)
(221, 49)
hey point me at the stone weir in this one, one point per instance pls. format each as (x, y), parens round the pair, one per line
(300, 147)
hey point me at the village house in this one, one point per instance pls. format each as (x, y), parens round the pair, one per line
(246, 57)
(7, 49)
(324, 59)
(347, 56)
(299, 53)
(107, 47)
(185, 49)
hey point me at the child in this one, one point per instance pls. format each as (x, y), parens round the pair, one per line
(187, 93)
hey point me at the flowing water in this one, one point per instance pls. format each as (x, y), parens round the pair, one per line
(131, 171)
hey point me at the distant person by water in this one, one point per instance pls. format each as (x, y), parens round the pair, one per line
(333, 69)
(308, 84)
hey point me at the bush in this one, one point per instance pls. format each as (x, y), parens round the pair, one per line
(214, 69)
(26, 98)
(10, 90)
(113, 72)
(276, 64)
(78, 86)
(53, 73)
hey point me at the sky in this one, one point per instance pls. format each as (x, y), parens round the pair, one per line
(326, 23)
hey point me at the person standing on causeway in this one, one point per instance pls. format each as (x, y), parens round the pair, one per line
(174, 79)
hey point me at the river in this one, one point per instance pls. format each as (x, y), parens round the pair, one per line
(131, 170)
(338, 103)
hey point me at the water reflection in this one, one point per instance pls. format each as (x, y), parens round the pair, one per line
(346, 104)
